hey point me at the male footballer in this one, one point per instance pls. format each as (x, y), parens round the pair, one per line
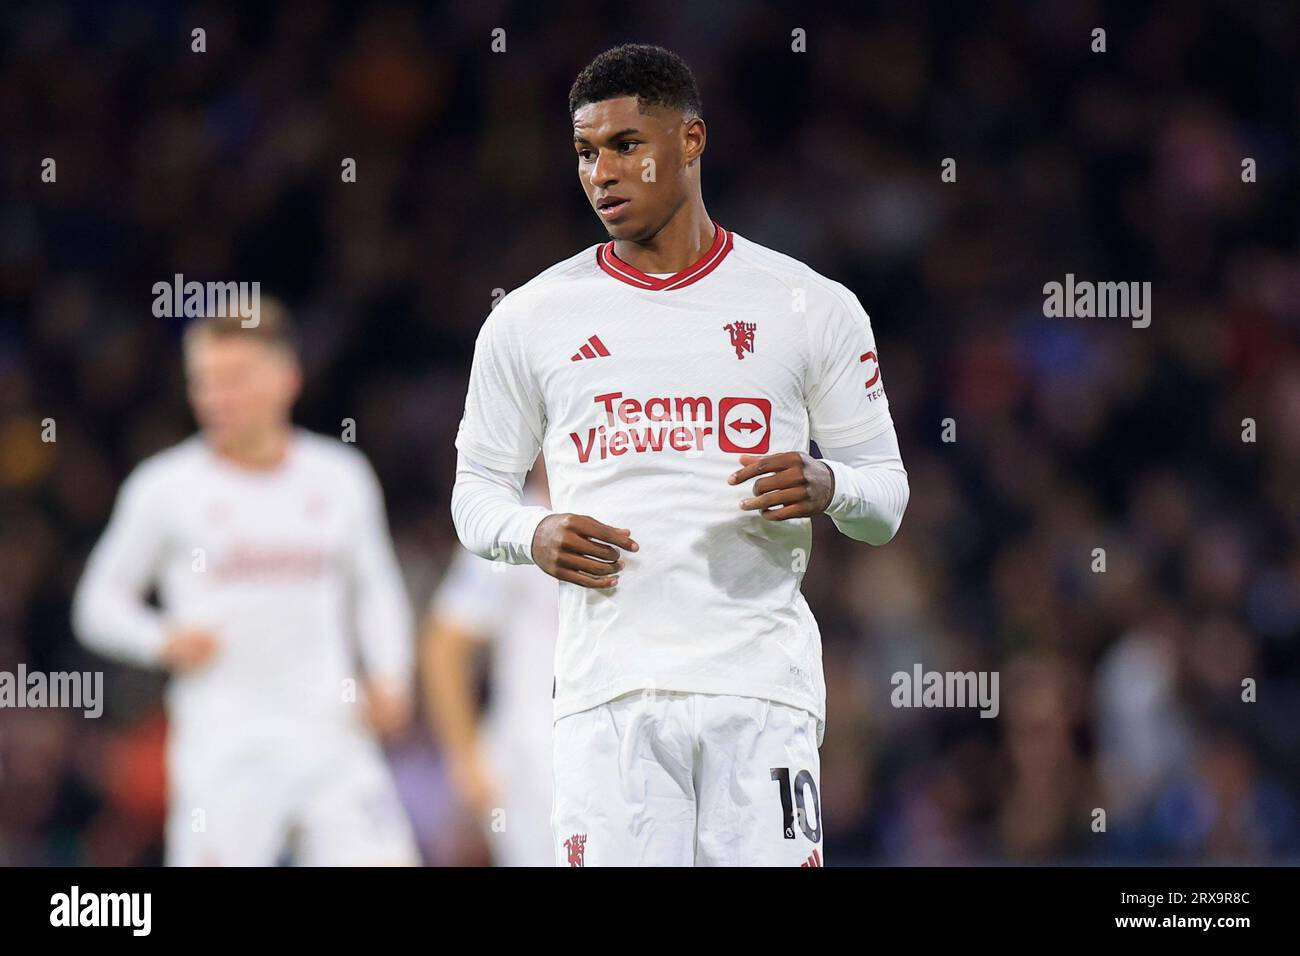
(673, 377)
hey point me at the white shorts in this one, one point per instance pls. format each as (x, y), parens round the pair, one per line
(246, 805)
(673, 779)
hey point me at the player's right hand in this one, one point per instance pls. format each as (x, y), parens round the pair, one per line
(188, 649)
(569, 547)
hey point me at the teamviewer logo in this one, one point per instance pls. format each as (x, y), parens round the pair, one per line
(745, 425)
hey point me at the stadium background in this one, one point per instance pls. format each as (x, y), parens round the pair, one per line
(1119, 690)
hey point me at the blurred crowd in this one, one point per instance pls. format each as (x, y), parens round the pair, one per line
(1121, 689)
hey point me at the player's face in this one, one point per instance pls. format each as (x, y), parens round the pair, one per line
(240, 389)
(635, 166)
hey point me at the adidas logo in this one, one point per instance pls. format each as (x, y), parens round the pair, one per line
(814, 860)
(591, 349)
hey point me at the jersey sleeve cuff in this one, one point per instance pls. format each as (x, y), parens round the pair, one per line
(844, 476)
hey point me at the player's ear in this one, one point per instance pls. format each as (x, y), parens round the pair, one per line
(694, 136)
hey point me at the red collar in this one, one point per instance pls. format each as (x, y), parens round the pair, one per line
(693, 273)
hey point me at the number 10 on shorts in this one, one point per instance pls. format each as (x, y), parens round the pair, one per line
(797, 797)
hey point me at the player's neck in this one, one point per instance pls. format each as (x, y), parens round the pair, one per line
(678, 245)
(262, 451)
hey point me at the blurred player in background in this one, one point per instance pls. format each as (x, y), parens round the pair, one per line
(501, 767)
(269, 549)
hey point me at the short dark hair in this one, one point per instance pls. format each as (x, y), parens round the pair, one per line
(655, 76)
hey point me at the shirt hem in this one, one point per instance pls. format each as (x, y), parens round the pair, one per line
(566, 706)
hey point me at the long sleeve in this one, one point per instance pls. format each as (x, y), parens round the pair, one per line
(109, 612)
(849, 419)
(871, 490)
(487, 509)
(385, 628)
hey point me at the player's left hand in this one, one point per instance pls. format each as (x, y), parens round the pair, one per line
(798, 485)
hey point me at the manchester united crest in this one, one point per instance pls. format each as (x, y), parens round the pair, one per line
(742, 337)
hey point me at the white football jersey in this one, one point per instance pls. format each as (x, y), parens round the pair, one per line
(643, 392)
(291, 568)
